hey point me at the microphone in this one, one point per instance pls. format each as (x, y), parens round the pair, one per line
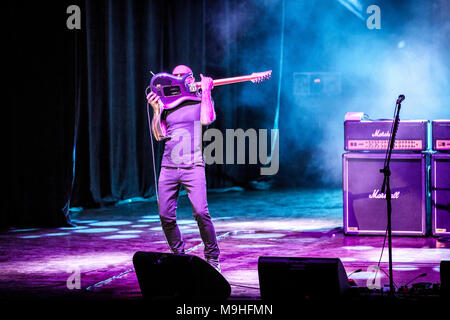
(400, 98)
(356, 271)
(419, 276)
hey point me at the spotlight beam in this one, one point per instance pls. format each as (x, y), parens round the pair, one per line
(353, 6)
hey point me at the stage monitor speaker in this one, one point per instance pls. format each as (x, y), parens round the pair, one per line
(445, 278)
(440, 194)
(178, 277)
(293, 278)
(365, 207)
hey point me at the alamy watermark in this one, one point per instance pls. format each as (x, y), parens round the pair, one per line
(375, 281)
(74, 280)
(235, 147)
(374, 20)
(74, 20)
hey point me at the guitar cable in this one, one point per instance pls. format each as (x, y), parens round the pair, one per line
(153, 153)
(156, 183)
(153, 149)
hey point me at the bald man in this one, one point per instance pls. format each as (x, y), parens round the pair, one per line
(185, 167)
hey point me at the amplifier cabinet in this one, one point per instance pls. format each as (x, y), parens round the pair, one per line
(441, 135)
(440, 194)
(365, 207)
(374, 135)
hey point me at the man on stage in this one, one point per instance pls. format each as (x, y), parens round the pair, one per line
(185, 167)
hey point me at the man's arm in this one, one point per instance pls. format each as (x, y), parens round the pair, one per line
(207, 112)
(158, 126)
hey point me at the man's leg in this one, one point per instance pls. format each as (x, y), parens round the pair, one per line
(194, 181)
(168, 188)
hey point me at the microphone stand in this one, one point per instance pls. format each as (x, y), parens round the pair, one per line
(386, 188)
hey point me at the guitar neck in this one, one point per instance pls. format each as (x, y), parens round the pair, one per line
(221, 82)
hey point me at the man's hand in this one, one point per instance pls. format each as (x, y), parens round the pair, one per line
(154, 100)
(207, 112)
(207, 83)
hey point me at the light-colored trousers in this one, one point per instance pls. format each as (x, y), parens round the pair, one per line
(194, 181)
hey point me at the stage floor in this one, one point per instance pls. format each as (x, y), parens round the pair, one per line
(37, 263)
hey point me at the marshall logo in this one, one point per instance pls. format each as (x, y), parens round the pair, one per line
(379, 195)
(381, 134)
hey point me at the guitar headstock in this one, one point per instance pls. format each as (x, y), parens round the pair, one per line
(258, 77)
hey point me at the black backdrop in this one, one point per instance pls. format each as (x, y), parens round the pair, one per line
(87, 86)
(38, 116)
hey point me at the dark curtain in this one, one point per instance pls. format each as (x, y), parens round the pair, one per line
(41, 86)
(76, 120)
(125, 40)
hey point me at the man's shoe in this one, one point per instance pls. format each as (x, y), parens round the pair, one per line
(214, 262)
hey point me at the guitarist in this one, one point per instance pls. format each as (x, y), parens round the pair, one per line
(185, 167)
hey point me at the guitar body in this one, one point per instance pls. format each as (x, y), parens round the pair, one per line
(173, 90)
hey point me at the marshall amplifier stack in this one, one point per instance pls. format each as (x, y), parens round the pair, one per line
(440, 178)
(374, 135)
(365, 210)
(365, 207)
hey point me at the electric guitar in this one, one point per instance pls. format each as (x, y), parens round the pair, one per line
(174, 90)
